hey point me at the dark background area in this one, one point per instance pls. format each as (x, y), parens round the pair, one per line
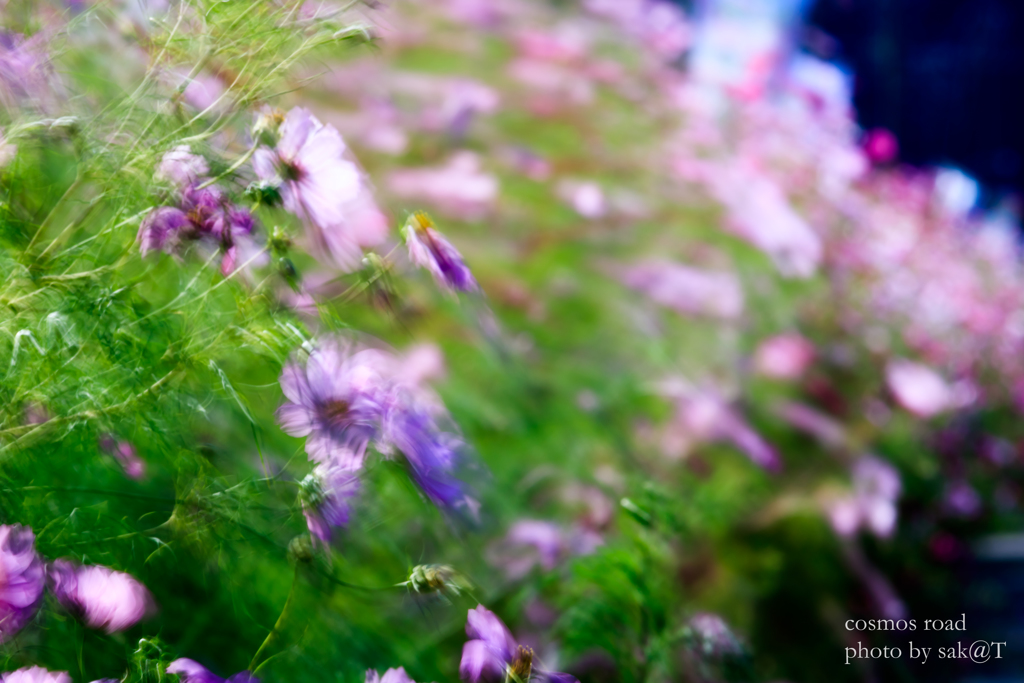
(944, 75)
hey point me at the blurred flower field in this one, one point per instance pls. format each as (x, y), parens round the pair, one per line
(482, 340)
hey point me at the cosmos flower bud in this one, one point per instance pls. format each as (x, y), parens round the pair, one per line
(266, 128)
(300, 549)
(436, 578)
(264, 193)
(326, 495)
(430, 250)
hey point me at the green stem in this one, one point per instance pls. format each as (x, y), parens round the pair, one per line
(234, 167)
(79, 179)
(275, 633)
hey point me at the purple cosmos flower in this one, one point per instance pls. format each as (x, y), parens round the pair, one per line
(492, 652)
(390, 676)
(205, 216)
(35, 674)
(25, 71)
(99, 596)
(429, 249)
(22, 578)
(430, 453)
(191, 671)
(161, 229)
(326, 495)
(335, 401)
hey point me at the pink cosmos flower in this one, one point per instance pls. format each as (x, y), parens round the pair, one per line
(26, 75)
(704, 416)
(872, 505)
(785, 356)
(203, 91)
(99, 596)
(322, 186)
(125, 454)
(759, 212)
(586, 198)
(35, 674)
(459, 188)
(181, 167)
(918, 388)
(390, 676)
(22, 578)
(687, 290)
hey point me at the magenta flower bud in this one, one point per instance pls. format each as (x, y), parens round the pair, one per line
(22, 579)
(99, 596)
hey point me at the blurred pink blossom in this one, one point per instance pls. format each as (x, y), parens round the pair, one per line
(35, 674)
(828, 431)
(702, 415)
(785, 356)
(531, 543)
(321, 185)
(872, 505)
(687, 290)
(759, 212)
(459, 188)
(202, 91)
(126, 456)
(880, 145)
(101, 597)
(181, 167)
(585, 197)
(918, 388)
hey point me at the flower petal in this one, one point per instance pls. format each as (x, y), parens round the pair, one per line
(295, 420)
